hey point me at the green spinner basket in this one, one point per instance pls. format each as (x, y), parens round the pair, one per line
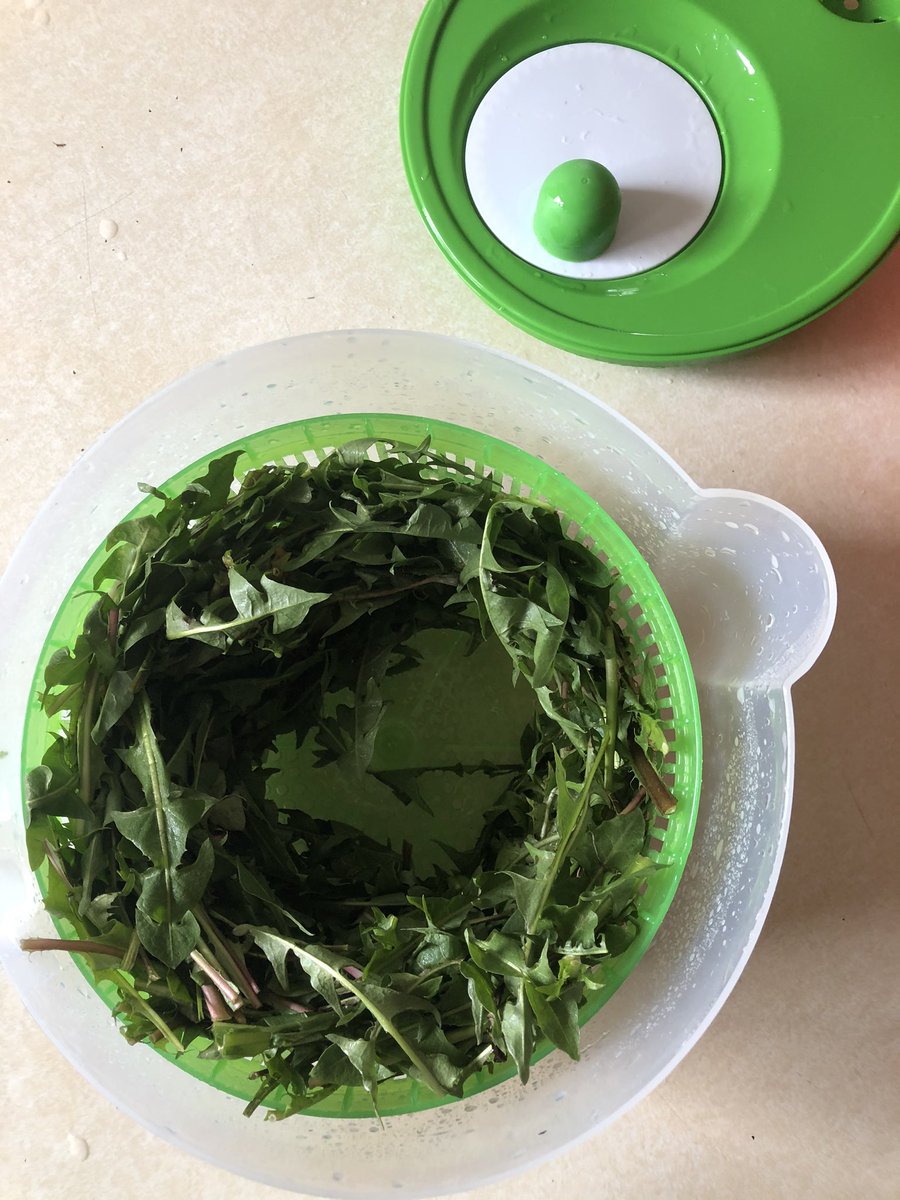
(643, 613)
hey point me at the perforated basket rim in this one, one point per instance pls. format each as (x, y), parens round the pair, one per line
(658, 643)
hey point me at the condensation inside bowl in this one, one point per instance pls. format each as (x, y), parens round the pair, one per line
(754, 595)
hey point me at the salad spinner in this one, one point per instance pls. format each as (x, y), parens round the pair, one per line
(640, 608)
(711, 553)
(752, 150)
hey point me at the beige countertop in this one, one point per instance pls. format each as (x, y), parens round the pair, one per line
(248, 157)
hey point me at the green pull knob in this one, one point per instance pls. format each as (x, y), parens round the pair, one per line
(577, 210)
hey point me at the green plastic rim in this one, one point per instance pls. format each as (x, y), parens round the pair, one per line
(641, 608)
(805, 103)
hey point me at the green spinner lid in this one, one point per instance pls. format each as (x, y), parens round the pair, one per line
(755, 148)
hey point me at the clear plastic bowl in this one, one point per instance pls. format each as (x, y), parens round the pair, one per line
(754, 593)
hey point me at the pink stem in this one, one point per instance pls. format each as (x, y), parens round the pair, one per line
(229, 991)
(633, 802)
(214, 1003)
(282, 1002)
(73, 945)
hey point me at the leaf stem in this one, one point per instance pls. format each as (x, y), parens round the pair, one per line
(227, 959)
(478, 1062)
(85, 721)
(646, 773)
(612, 706)
(229, 992)
(633, 802)
(460, 1035)
(215, 1005)
(432, 971)
(56, 863)
(384, 593)
(562, 850)
(285, 1004)
(131, 953)
(149, 1012)
(384, 1021)
(73, 945)
(150, 751)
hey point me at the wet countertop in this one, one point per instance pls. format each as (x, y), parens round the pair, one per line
(182, 180)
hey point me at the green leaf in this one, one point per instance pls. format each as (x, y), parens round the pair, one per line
(367, 715)
(145, 626)
(51, 795)
(405, 786)
(182, 810)
(498, 955)
(650, 735)
(620, 937)
(210, 493)
(362, 1054)
(253, 885)
(336, 1067)
(164, 928)
(288, 606)
(171, 941)
(558, 1019)
(557, 593)
(618, 841)
(576, 734)
(146, 534)
(429, 521)
(568, 808)
(318, 963)
(481, 996)
(117, 566)
(530, 898)
(179, 625)
(65, 668)
(518, 1030)
(440, 1069)
(117, 699)
(165, 899)
(240, 1041)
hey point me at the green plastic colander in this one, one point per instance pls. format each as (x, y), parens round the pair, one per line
(643, 613)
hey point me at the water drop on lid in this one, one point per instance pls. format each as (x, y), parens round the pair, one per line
(108, 229)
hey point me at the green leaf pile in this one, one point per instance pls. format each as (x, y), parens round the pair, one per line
(235, 615)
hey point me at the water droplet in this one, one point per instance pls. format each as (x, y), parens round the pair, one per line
(108, 229)
(41, 17)
(78, 1147)
(121, 255)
